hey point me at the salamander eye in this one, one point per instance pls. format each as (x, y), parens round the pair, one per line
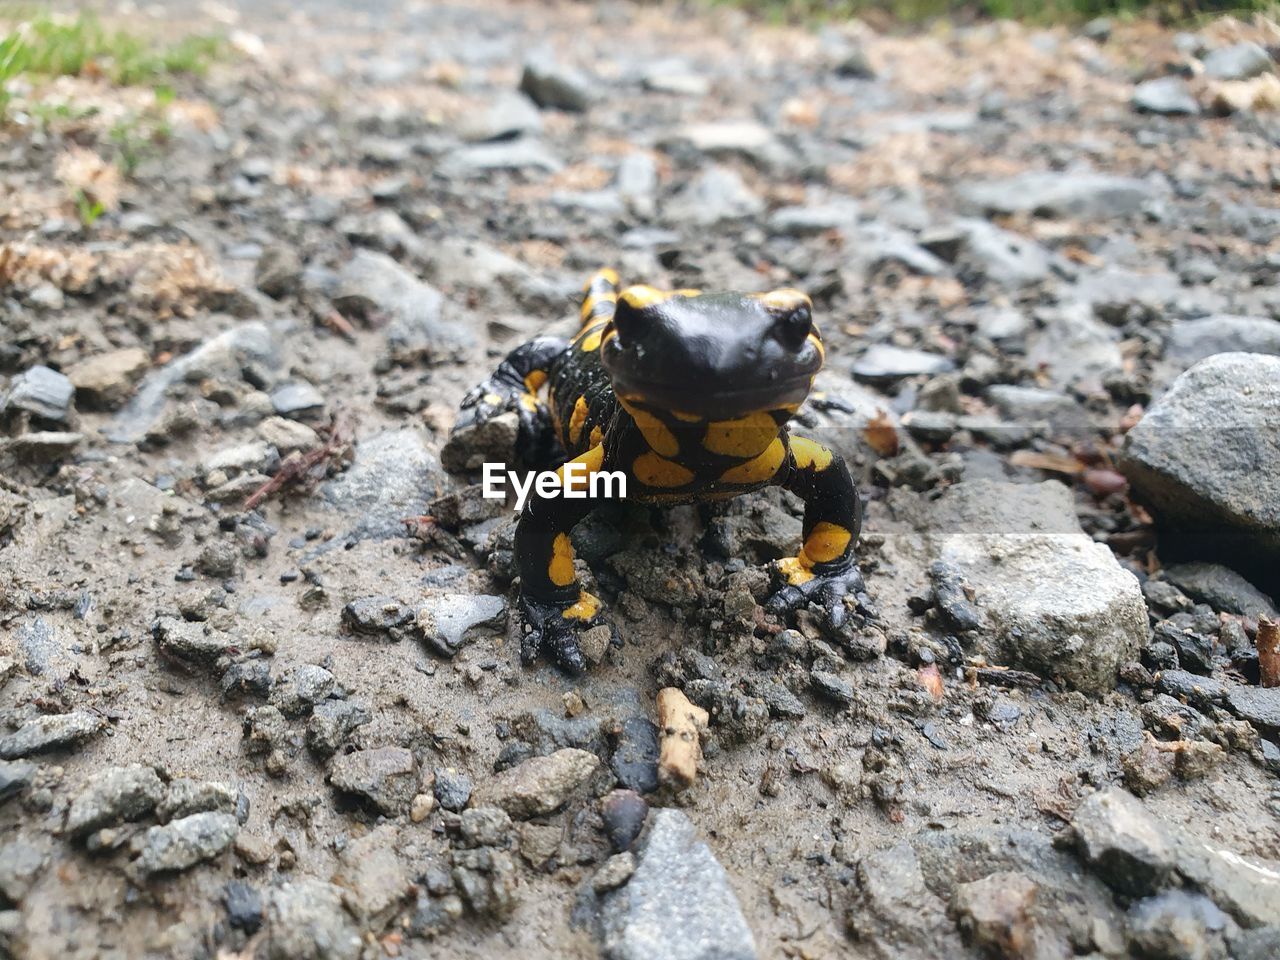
(792, 328)
(629, 322)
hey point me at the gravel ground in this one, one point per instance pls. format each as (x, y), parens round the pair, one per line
(258, 691)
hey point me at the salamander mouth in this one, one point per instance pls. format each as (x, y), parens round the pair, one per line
(710, 403)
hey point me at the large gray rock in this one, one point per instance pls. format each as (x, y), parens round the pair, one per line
(41, 392)
(551, 84)
(894, 914)
(1084, 194)
(716, 195)
(114, 795)
(1206, 460)
(678, 904)
(982, 249)
(387, 777)
(1221, 588)
(1053, 600)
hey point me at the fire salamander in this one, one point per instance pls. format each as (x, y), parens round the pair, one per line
(689, 394)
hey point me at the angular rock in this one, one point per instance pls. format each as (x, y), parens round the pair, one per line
(21, 864)
(483, 159)
(193, 643)
(1206, 460)
(306, 920)
(105, 381)
(451, 617)
(185, 796)
(49, 732)
(296, 692)
(508, 115)
(183, 843)
(41, 392)
(986, 251)
(116, 795)
(539, 785)
(678, 904)
(894, 914)
(1060, 605)
(385, 776)
(995, 912)
(635, 758)
(748, 139)
(1126, 845)
(1221, 588)
(15, 776)
(372, 285)
(298, 400)
(389, 480)
(1078, 352)
(1177, 924)
(551, 84)
(452, 788)
(1259, 705)
(331, 724)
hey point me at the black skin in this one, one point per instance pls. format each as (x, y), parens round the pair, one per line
(688, 394)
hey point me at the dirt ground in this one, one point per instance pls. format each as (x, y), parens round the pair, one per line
(342, 227)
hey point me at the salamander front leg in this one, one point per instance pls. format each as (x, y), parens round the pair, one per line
(554, 606)
(825, 571)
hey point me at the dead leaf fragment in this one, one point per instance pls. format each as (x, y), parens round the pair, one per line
(84, 171)
(1053, 462)
(881, 435)
(931, 680)
(1269, 651)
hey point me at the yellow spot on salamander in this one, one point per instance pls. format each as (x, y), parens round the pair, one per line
(597, 435)
(605, 275)
(794, 570)
(787, 298)
(745, 437)
(586, 607)
(592, 459)
(809, 455)
(686, 417)
(591, 342)
(597, 305)
(560, 568)
(534, 381)
(655, 471)
(492, 399)
(529, 402)
(826, 542)
(642, 295)
(758, 469)
(577, 419)
(656, 433)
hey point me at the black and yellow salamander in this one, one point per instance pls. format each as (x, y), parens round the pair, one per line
(688, 394)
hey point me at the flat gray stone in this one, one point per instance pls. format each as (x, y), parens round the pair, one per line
(1085, 195)
(1240, 61)
(539, 785)
(50, 732)
(1165, 95)
(41, 392)
(183, 843)
(678, 904)
(1190, 341)
(112, 796)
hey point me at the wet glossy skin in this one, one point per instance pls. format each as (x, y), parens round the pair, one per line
(689, 395)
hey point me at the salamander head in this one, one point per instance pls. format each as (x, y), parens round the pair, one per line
(712, 356)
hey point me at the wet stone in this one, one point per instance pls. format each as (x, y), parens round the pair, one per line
(832, 687)
(244, 906)
(447, 621)
(49, 732)
(247, 678)
(15, 776)
(21, 864)
(452, 789)
(1177, 923)
(678, 904)
(377, 615)
(185, 796)
(41, 392)
(1240, 61)
(331, 724)
(183, 843)
(387, 777)
(551, 84)
(635, 757)
(883, 363)
(113, 796)
(300, 401)
(623, 813)
(540, 785)
(1127, 847)
(306, 919)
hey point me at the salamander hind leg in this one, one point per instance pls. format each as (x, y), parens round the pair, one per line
(825, 571)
